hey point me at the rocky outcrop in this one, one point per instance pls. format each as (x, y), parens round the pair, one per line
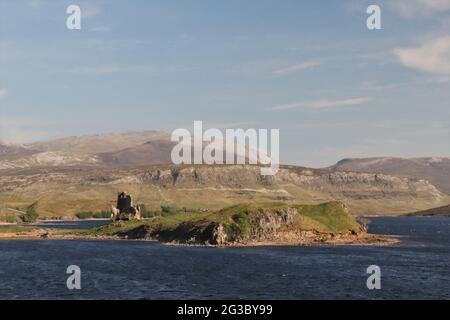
(252, 226)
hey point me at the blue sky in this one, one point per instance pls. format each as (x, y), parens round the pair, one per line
(309, 68)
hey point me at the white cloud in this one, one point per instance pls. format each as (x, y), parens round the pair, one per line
(3, 92)
(322, 104)
(296, 68)
(432, 56)
(413, 8)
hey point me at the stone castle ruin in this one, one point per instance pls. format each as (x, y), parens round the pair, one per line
(124, 209)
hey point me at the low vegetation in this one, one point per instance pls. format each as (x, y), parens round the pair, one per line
(14, 229)
(165, 211)
(93, 215)
(10, 218)
(30, 216)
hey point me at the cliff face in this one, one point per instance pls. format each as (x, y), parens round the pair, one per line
(436, 170)
(238, 176)
(63, 190)
(350, 187)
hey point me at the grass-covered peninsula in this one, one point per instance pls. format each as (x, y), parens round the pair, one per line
(239, 225)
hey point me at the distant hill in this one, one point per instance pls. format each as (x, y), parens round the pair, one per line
(151, 152)
(134, 148)
(98, 143)
(434, 170)
(113, 149)
(12, 152)
(441, 211)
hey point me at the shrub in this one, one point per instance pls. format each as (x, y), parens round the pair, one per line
(30, 216)
(84, 215)
(148, 213)
(9, 218)
(242, 221)
(101, 215)
(168, 210)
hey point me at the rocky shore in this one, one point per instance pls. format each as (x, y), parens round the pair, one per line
(364, 239)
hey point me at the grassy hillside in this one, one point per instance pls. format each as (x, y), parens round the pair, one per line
(96, 143)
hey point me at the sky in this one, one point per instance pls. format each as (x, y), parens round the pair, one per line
(311, 69)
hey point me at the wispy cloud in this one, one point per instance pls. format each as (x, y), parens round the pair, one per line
(107, 70)
(376, 85)
(296, 68)
(101, 29)
(322, 104)
(414, 8)
(20, 129)
(230, 125)
(432, 56)
(90, 12)
(93, 71)
(37, 3)
(3, 92)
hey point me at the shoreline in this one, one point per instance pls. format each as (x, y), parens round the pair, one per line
(364, 239)
(44, 222)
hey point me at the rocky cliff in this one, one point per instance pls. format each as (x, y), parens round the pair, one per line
(436, 170)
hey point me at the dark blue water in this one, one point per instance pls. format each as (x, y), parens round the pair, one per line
(75, 224)
(417, 269)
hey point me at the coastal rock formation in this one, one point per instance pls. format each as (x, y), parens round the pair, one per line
(124, 210)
